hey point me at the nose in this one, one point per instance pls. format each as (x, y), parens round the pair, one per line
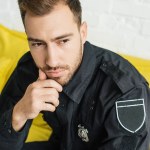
(52, 56)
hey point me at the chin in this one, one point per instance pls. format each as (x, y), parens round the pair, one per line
(61, 80)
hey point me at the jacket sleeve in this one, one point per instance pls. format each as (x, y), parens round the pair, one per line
(11, 94)
(127, 122)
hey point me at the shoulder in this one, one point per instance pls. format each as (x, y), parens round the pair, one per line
(26, 58)
(24, 74)
(26, 61)
(26, 70)
(122, 72)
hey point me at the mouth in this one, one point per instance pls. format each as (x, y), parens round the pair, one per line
(55, 73)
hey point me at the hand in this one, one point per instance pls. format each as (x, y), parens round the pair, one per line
(42, 95)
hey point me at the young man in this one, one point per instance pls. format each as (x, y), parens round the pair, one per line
(92, 98)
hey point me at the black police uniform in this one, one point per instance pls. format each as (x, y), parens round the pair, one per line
(105, 106)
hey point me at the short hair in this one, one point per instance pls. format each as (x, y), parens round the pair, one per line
(42, 7)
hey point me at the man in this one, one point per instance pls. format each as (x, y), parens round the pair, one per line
(92, 98)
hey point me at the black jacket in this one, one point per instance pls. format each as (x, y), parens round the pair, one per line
(104, 107)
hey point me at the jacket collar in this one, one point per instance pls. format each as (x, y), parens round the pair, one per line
(78, 84)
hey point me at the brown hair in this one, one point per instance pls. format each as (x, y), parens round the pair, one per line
(41, 7)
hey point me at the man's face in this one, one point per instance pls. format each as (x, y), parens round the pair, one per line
(56, 42)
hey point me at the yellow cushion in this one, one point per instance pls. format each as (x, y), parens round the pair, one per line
(142, 65)
(40, 130)
(5, 70)
(13, 45)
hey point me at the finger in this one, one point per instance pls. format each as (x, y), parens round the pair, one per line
(48, 91)
(51, 99)
(42, 75)
(47, 84)
(48, 107)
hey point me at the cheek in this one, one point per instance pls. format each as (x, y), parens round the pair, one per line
(38, 57)
(69, 55)
(74, 52)
(73, 57)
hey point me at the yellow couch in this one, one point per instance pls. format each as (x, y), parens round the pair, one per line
(13, 45)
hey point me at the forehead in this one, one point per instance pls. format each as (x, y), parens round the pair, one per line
(59, 19)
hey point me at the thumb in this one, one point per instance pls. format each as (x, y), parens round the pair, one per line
(42, 75)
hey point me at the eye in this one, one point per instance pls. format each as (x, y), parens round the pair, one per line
(62, 42)
(36, 44)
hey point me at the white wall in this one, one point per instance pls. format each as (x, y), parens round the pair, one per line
(118, 25)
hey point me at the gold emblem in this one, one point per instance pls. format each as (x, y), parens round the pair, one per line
(83, 133)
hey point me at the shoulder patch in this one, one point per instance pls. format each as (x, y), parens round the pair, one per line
(131, 114)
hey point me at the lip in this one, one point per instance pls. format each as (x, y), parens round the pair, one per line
(55, 74)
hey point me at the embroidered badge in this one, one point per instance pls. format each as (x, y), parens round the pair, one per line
(83, 133)
(131, 114)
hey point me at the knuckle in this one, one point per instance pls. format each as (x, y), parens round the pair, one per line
(50, 107)
(50, 82)
(54, 90)
(59, 87)
(32, 104)
(33, 92)
(53, 108)
(56, 93)
(35, 107)
(49, 98)
(29, 87)
(56, 102)
(33, 85)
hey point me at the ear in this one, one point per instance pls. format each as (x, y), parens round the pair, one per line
(83, 32)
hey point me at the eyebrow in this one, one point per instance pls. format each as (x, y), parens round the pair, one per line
(53, 39)
(35, 40)
(62, 36)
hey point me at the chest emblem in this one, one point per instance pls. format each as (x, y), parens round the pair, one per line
(83, 133)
